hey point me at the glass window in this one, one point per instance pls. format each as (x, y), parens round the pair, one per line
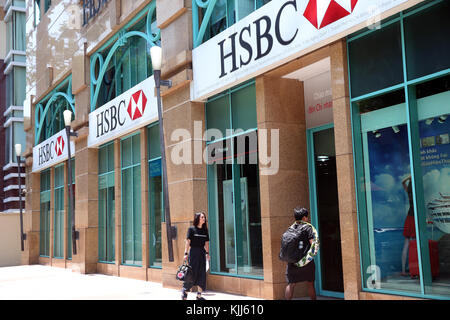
(402, 162)
(53, 120)
(44, 221)
(386, 159)
(19, 36)
(218, 117)
(130, 64)
(37, 12)
(233, 189)
(426, 37)
(131, 201)
(433, 185)
(58, 224)
(19, 85)
(106, 204)
(155, 197)
(228, 12)
(243, 108)
(47, 5)
(376, 60)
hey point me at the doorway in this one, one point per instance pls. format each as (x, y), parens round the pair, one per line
(325, 210)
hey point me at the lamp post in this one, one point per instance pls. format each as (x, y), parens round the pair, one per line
(156, 55)
(18, 149)
(67, 121)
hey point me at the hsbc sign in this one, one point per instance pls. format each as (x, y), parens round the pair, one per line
(52, 151)
(131, 110)
(276, 33)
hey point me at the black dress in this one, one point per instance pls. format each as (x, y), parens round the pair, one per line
(197, 257)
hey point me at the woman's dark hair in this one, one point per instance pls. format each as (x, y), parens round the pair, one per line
(197, 220)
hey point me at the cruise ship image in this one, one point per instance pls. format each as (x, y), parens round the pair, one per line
(439, 212)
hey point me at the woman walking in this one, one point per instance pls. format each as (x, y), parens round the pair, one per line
(196, 252)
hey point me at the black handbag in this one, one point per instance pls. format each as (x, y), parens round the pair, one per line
(184, 272)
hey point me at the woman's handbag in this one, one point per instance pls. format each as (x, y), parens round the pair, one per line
(184, 272)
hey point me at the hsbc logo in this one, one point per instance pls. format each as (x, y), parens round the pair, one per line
(51, 151)
(137, 105)
(113, 117)
(59, 146)
(129, 111)
(324, 12)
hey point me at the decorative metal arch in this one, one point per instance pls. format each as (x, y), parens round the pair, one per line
(42, 111)
(209, 5)
(121, 41)
(199, 33)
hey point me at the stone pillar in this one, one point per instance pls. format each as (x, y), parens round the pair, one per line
(86, 205)
(280, 106)
(187, 181)
(31, 216)
(118, 207)
(345, 170)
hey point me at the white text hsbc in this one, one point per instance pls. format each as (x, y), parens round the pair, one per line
(108, 119)
(46, 152)
(262, 31)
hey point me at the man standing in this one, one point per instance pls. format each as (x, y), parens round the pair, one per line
(303, 270)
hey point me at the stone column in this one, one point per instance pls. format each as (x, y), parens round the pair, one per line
(345, 170)
(31, 216)
(86, 205)
(280, 106)
(187, 181)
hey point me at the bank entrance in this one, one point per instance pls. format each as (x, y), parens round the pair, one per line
(322, 173)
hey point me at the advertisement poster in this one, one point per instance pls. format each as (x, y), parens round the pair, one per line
(389, 162)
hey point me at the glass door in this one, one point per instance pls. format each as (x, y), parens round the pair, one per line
(325, 210)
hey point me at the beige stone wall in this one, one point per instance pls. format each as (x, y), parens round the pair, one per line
(9, 239)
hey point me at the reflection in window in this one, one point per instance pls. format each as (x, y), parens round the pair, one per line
(37, 12)
(233, 183)
(434, 221)
(402, 147)
(155, 197)
(58, 223)
(386, 160)
(106, 204)
(44, 218)
(131, 201)
(228, 12)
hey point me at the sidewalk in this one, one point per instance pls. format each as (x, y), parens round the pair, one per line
(39, 282)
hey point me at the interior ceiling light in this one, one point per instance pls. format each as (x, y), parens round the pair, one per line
(376, 133)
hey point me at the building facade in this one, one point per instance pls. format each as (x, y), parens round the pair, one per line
(273, 104)
(12, 97)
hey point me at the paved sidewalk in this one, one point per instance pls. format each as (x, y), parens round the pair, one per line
(39, 282)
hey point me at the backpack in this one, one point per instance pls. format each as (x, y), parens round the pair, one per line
(292, 249)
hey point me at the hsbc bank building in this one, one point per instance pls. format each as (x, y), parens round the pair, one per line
(339, 106)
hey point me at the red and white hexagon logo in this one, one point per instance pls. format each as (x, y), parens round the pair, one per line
(137, 105)
(324, 12)
(59, 147)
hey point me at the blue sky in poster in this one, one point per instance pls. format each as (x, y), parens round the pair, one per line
(389, 165)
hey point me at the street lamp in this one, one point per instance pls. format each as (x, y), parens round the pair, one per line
(156, 55)
(67, 121)
(18, 149)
